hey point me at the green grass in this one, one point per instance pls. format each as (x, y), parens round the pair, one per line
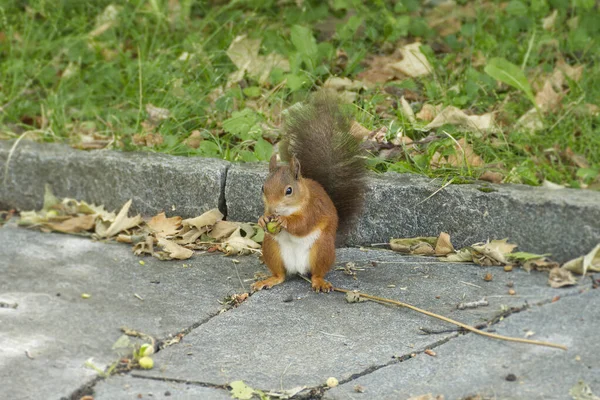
(58, 81)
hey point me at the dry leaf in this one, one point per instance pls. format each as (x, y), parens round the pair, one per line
(414, 63)
(407, 110)
(531, 121)
(223, 229)
(547, 99)
(76, 224)
(423, 245)
(209, 218)
(156, 113)
(359, 131)
(465, 155)
(573, 73)
(560, 277)
(463, 255)
(443, 245)
(243, 52)
(491, 176)
(194, 139)
(163, 226)
(379, 71)
(540, 264)
(492, 253)
(174, 250)
(548, 22)
(340, 84)
(122, 222)
(428, 112)
(236, 244)
(581, 265)
(473, 123)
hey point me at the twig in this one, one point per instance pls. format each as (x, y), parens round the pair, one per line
(239, 277)
(464, 326)
(436, 192)
(451, 321)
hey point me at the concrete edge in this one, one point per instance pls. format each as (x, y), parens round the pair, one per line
(563, 222)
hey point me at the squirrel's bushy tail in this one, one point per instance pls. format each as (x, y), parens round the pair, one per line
(318, 134)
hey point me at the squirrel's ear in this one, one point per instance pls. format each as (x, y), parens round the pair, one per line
(295, 167)
(273, 163)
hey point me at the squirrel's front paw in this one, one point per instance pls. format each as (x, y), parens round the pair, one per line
(281, 222)
(263, 221)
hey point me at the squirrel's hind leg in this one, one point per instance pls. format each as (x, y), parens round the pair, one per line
(322, 258)
(273, 260)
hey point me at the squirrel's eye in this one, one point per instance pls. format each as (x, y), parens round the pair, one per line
(288, 191)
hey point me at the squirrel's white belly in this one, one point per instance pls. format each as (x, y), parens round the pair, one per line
(295, 250)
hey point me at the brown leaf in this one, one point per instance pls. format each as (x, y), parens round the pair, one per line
(77, 224)
(473, 123)
(428, 112)
(157, 114)
(359, 131)
(576, 159)
(463, 255)
(465, 156)
(174, 250)
(122, 222)
(540, 264)
(223, 229)
(418, 245)
(548, 22)
(491, 176)
(589, 262)
(236, 244)
(443, 246)
(379, 70)
(492, 253)
(560, 277)
(208, 219)
(194, 139)
(163, 226)
(547, 99)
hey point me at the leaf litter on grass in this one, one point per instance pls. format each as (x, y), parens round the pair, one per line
(162, 237)
(500, 253)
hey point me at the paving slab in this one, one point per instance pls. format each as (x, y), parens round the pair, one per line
(184, 186)
(565, 222)
(45, 275)
(289, 336)
(471, 365)
(129, 388)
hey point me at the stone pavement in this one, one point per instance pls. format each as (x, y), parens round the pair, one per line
(282, 338)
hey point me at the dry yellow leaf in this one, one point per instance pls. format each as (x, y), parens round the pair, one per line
(443, 245)
(560, 277)
(174, 250)
(163, 226)
(223, 229)
(414, 63)
(428, 112)
(76, 224)
(122, 222)
(589, 262)
(473, 123)
(547, 99)
(209, 218)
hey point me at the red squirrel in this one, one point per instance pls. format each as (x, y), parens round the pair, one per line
(322, 187)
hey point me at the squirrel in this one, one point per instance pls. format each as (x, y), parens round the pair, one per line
(320, 189)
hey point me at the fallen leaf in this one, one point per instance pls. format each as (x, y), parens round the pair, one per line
(121, 223)
(589, 262)
(223, 229)
(209, 218)
(547, 99)
(464, 156)
(573, 73)
(157, 114)
(340, 84)
(76, 224)
(443, 246)
(491, 176)
(163, 226)
(492, 253)
(463, 255)
(409, 245)
(560, 277)
(582, 391)
(548, 22)
(540, 264)
(428, 112)
(407, 110)
(236, 244)
(414, 64)
(379, 70)
(531, 121)
(359, 131)
(174, 250)
(241, 391)
(473, 123)
(243, 52)
(194, 139)
(106, 20)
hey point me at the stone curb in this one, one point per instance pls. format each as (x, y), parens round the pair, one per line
(565, 222)
(184, 186)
